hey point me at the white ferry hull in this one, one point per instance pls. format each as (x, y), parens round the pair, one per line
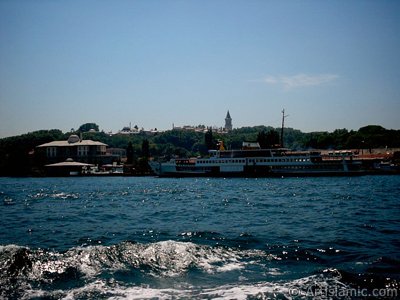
(229, 169)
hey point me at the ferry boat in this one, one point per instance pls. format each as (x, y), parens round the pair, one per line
(252, 161)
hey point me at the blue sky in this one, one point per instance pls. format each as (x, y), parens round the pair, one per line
(330, 64)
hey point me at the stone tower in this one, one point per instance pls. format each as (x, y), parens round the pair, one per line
(228, 122)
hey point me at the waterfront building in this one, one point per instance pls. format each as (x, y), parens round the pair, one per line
(119, 153)
(84, 151)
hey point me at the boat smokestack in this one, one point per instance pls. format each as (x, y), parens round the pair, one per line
(283, 125)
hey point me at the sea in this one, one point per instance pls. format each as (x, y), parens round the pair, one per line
(200, 238)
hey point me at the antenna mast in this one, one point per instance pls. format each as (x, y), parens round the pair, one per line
(283, 125)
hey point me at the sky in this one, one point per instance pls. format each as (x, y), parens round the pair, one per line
(329, 64)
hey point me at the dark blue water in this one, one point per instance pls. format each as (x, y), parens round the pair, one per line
(153, 238)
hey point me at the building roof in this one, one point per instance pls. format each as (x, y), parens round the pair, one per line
(228, 115)
(69, 144)
(69, 164)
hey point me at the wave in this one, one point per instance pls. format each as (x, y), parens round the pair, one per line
(166, 258)
(303, 288)
(21, 267)
(161, 270)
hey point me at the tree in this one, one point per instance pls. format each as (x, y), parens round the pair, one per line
(146, 148)
(273, 138)
(199, 148)
(129, 153)
(88, 126)
(269, 139)
(209, 140)
(262, 140)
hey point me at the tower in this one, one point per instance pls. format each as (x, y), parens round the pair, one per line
(228, 122)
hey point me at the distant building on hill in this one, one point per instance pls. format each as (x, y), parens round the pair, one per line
(228, 122)
(202, 128)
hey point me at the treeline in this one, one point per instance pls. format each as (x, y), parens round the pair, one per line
(368, 137)
(17, 154)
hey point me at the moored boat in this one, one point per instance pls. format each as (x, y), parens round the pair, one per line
(252, 161)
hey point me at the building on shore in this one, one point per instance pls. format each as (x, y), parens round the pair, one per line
(119, 153)
(76, 149)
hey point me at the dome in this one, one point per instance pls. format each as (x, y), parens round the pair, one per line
(73, 139)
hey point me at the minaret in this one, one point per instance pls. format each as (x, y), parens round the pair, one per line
(228, 122)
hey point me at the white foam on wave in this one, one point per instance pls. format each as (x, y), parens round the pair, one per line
(298, 289)
(10, 247)
(171, 258)
(162, 259)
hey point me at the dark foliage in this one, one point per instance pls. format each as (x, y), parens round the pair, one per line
(88, 126)
(268, 139)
